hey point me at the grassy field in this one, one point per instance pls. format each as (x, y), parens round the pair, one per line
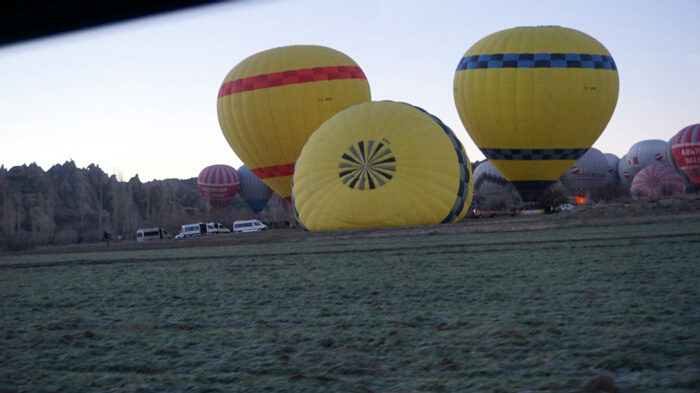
(540, 310)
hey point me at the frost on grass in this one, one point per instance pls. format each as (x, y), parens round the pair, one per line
(448, 313)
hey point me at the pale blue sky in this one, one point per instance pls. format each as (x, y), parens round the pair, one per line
(139, 97)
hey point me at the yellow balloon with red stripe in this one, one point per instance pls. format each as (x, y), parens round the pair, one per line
(271, 102)
(534, 100)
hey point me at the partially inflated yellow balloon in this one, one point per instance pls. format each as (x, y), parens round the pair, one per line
(379, 164)
(534, 99)
(271, 102)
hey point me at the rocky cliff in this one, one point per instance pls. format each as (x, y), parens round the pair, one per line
(67, 205)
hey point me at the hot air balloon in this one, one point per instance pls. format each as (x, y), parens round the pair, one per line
(623, 172)
(380, 164)
(218, 184)
(612, 177)
(670, 160)
(492, 187)
(586, 176)
(272, 101)
(534, 100)
(685, 147)
(255, 193)
(656, 181)
(645, 153)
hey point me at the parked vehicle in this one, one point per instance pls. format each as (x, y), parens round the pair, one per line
(566, 206)
(248, 226)
(215, 228)
(202, 228)
(145, 234)
(479, 213)
(190, 230)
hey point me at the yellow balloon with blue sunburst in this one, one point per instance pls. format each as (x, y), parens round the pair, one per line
(380, 164)
(534, 100)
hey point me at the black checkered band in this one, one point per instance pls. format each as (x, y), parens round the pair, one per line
(296, 213)
(464, 174)
(537, 60)
(533, 154)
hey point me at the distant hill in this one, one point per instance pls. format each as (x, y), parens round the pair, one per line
(67, 205)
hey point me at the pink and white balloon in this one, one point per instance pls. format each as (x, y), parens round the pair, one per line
(657, 181)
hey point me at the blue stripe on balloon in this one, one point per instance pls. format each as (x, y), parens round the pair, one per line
(537, 60)
(533, 154)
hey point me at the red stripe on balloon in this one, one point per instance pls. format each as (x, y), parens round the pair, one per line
(274, 171)
(290, 77)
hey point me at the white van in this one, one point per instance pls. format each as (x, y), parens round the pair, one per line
(215, 227)
(190, 230)
(209, 228)
(248, 226)
(145, 234)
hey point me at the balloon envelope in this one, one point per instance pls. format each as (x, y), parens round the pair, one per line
(534, 99)
(623, 172)
(271, 102)
(490, 184)
(218, 184)
(612, 177)
(656, 181)
(587, 175)
(670, 160)
(645, 153)
(254, 191)
(685, 148)
(380, 164)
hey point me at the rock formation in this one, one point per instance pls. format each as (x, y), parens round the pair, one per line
(66, 205)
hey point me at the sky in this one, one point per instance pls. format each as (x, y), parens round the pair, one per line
(139, 97)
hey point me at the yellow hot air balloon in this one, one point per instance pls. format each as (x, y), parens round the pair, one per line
(379, 164)
(534, 100)
(272, 101)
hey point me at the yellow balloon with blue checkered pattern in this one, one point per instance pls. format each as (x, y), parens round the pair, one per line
(534, 100)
